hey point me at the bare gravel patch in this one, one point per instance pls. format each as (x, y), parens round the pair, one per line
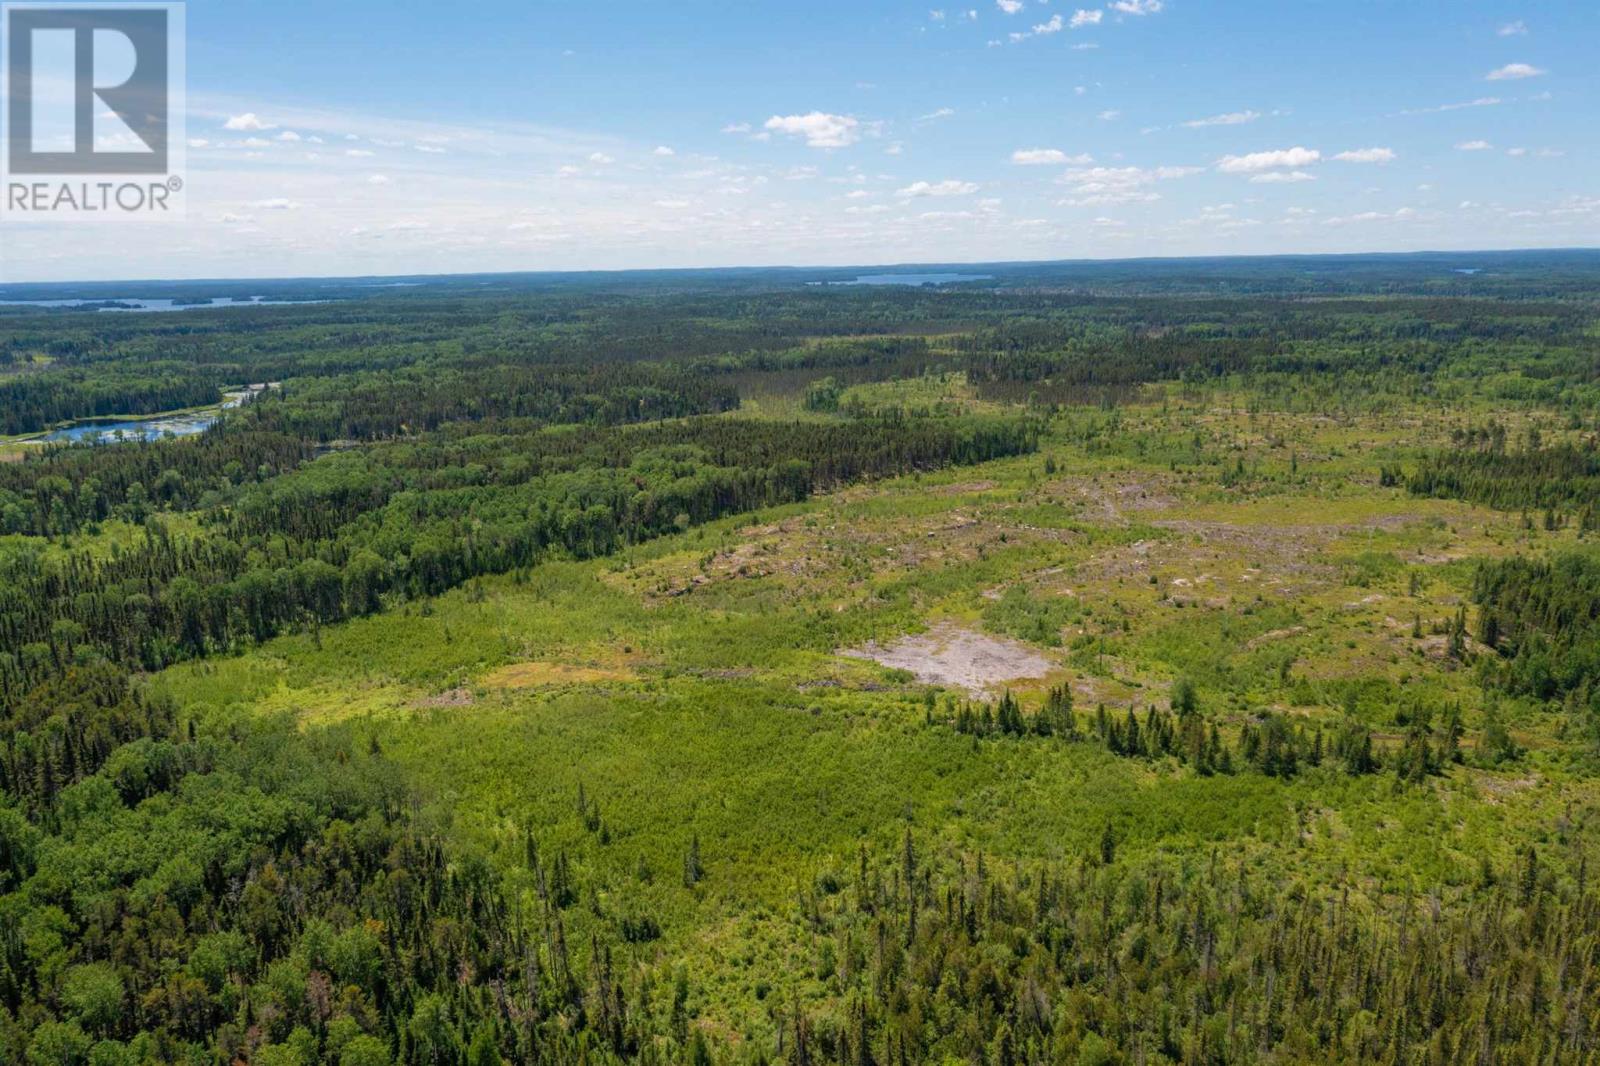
(956, 657)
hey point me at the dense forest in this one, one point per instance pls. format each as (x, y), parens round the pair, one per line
(1101, 663)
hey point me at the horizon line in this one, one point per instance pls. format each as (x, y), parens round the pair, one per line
(802, 267)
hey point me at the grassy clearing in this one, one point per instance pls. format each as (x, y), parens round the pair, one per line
(694, 686)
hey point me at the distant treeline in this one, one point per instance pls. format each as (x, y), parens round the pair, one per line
(1056, 346)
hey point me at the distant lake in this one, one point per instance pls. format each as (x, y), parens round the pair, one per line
(92, 431)
(916, 280)
(141, 429)
(133, 305)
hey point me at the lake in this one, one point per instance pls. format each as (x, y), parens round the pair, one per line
(94, 431)
(916, 280)
(133, 305)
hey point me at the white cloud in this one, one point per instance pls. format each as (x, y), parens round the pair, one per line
(1278, 177)
(1110, 116)
(1367, 155)
(1516, 151)
(1482, 101)
(1095, 186)
(358, 153)
(1037, 157)
(663, 151)
(1282, 158)
(936, 188)
(378, 179)
(934, 116)
(248, 121)
(820, 129)
(1474, 146)
(1514, 72)
(1231, 118)
(280, 203)
(1010, 7)
(1135, 7)
(600, 158)
(1513, 29)
(736, 127)
(289, 135)
(1057, 23)
(1399, 215)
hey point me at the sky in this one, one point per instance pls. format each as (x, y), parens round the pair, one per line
(360, 137)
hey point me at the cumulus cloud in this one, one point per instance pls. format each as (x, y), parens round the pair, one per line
(280, 203)
(934, 116)
(1010, 7)
(1056, 23)
(600, 158)
(1474, 146)
(378, 179)
(1513, 29)
(936, 188)
(1367, 155)
(1231, 118)
(1279, 159)
(1135, 7)
(663, 150)
(249, 121)
(1279, 177)
(1038, 157)
(1514, 72)
(820, 129)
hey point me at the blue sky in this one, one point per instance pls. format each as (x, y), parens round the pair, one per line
(361, 137)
